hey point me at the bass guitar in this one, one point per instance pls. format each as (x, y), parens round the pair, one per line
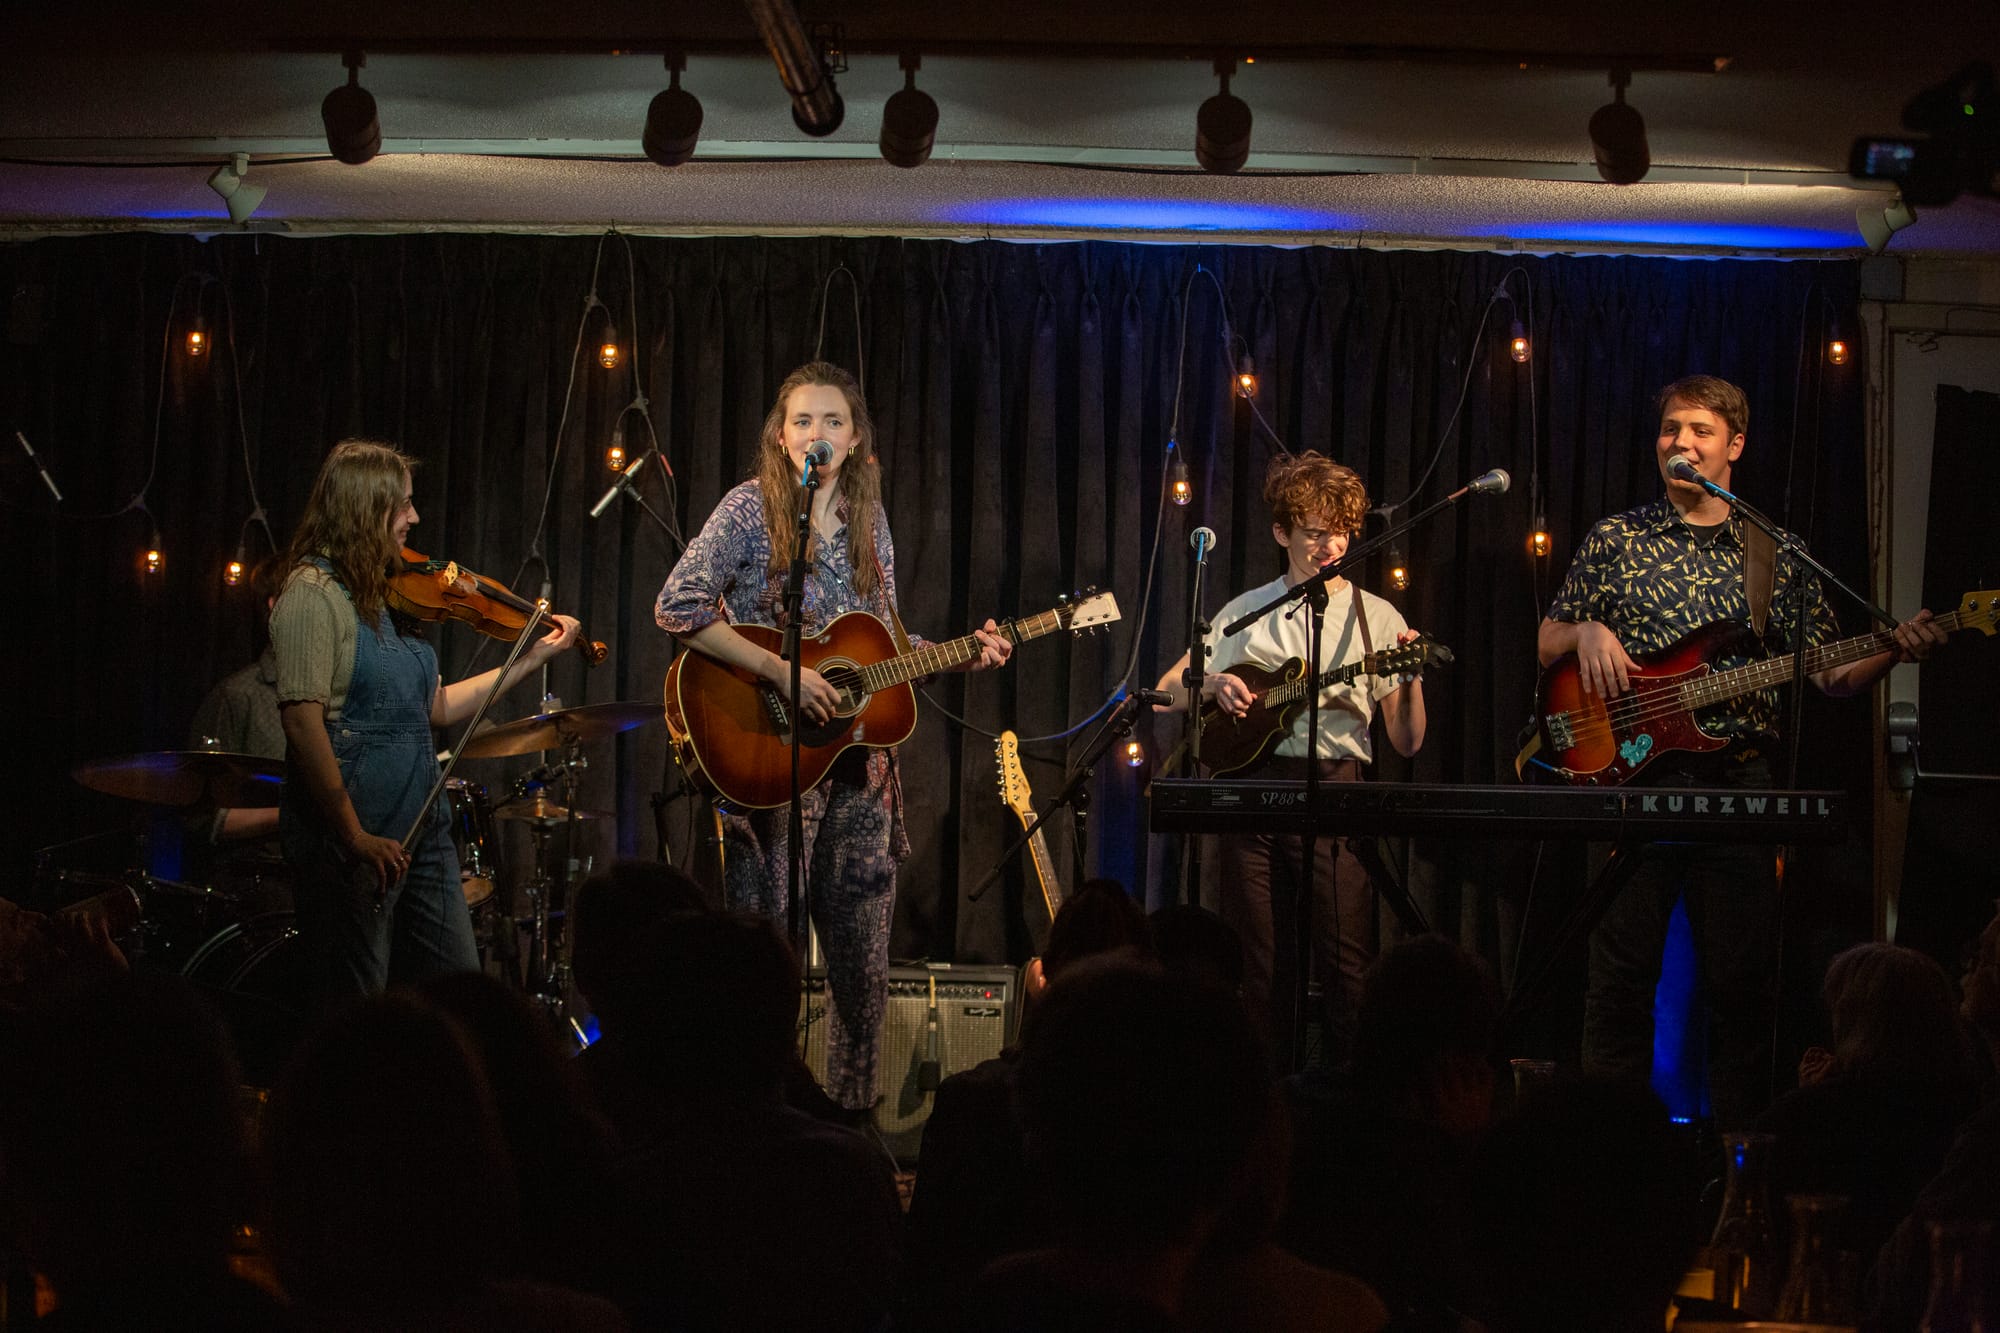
(1014, 793)
(1588, 740)
(733, 731)
(1230, 743)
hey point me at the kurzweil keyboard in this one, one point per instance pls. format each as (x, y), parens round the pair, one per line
(1671, 814)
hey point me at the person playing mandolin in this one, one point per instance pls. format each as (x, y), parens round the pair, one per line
(1641, 582)
(1316, 508)
(734, 571)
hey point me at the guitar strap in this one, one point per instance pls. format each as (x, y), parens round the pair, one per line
(1760, 558)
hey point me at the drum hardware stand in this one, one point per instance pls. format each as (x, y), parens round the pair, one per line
(547, 981)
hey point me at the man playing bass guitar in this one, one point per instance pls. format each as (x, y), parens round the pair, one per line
(1641, 582)
(1316, 508)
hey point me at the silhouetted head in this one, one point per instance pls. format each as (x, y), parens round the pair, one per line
(612, 908)
(1141, 1096)
(1423, 1032)
(714, 1009)
(1195, 942)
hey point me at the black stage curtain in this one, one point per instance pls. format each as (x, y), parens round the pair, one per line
(1023, 395)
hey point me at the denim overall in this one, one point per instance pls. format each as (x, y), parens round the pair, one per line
(388, 765)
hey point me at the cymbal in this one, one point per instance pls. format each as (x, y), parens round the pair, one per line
(550, 731)
(539, 809)
(186, 777)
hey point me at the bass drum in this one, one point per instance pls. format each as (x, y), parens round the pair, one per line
(254, 972)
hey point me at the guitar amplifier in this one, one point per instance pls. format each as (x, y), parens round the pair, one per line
(976, 1010)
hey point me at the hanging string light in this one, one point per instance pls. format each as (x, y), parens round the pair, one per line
(1399, 570)
(1517, 343)
(1180, 487)
(608, 351)
(1246, 376)
(197, 338)
(1539, 541)
(1135, 754)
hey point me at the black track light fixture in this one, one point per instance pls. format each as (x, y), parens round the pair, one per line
(353, 133)
(909, 120)
(1618, 136)
(1222, 127)
(673, 121)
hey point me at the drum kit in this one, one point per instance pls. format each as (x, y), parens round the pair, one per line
(235, 933)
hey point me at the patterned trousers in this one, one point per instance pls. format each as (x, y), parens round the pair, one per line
(851, 874)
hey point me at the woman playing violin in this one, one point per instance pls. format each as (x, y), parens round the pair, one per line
(358, 695)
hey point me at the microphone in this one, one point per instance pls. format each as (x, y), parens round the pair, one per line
(1681, 470)
(1495, 482)
(47, 480)
(818, 454)
(1160, 697)
(624, 480)
(932, 1065)
(1201, 539)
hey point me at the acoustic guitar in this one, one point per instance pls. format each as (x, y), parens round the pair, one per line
(1230, 743)
(1592, 741)
(733, 731)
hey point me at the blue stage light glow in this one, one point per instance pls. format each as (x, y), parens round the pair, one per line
(1144, 215)
(1684, 235)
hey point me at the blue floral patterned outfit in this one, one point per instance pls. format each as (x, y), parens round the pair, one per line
(853, 819)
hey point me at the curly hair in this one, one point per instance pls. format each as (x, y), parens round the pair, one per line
(1302, 486)
(360, 486)
(1715, 395)
(860, 481)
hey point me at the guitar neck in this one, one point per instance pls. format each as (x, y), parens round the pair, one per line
(953, 653)
(1774, 671)
(1045, 865)
(1342, 675)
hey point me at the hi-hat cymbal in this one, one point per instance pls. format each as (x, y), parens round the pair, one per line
(551, 731)
(539, 809)
(186, 777)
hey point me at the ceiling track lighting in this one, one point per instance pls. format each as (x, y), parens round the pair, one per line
(239, 197)
(1618, 136)
(1879, 224)
(353, 131)
(806, 65)
(1222, 127)
(909, 120)
(673, 121)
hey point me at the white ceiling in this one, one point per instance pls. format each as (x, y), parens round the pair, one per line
(1447, 143)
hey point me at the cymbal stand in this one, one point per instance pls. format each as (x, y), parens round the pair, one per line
(549, 892)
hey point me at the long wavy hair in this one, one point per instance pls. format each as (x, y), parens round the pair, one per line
(360, 485)
(860, 481)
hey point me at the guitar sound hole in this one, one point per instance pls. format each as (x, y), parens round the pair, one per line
(847, 680)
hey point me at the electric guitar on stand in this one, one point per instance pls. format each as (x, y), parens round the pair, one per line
(732, 730)
(1588, 740)
(1014, 792)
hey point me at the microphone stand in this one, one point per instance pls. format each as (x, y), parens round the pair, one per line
(1074, 794)
(796, 890)
(624, 487)
(1789, 546)
(1314, 603)
(1193, 678)
(1355, 554)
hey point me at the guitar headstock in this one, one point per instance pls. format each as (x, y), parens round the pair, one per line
(1013, 778)
(1412, 656)
(1088, 609)
(1980, 611)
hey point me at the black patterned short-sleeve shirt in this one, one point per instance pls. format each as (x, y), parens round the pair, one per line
(1646, 576)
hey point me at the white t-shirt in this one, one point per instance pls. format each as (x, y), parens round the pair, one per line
(1345, 711)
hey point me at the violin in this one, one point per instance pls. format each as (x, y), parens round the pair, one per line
(427, 589)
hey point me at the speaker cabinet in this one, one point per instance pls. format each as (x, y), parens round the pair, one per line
(976, 1011)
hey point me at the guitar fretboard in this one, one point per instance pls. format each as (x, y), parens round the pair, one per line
(1369, 665)
(954, 653)
(1775, 671)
